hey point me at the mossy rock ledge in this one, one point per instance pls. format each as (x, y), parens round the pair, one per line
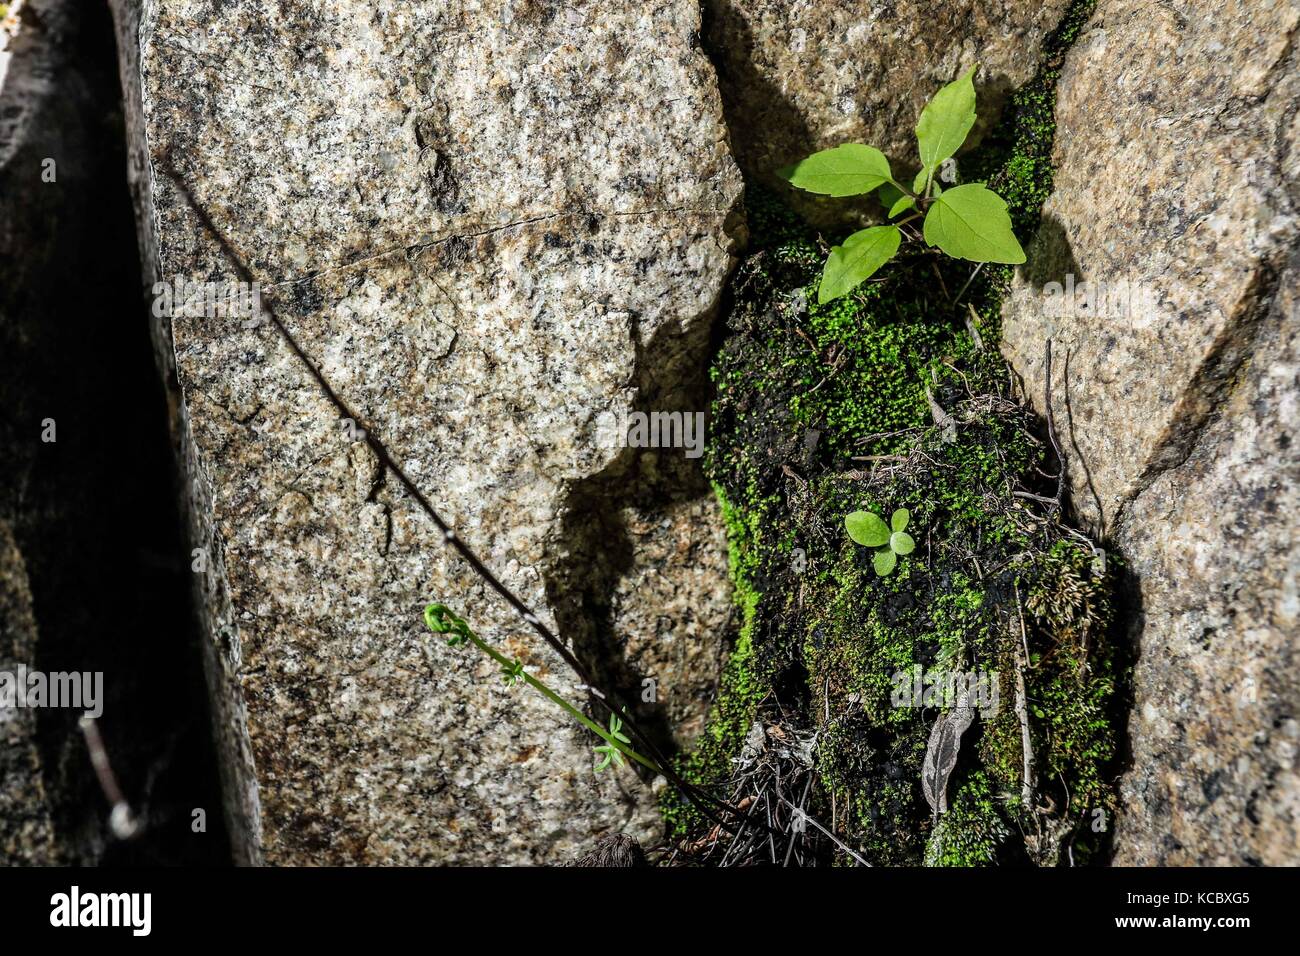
(896, 397)
(997, 585)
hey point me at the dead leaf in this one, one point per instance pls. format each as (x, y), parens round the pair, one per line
(941, 754)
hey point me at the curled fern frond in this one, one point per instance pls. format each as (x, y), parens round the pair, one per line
(441, 620)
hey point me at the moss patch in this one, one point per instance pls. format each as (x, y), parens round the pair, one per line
(823, 410)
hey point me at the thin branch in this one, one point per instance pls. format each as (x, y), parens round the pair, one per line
(942, 285)
(827, 833)
(1051, 427)
(974, 273)
(1022, 710)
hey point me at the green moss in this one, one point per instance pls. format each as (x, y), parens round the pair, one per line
(973, 830)
(985, 558)
(822, 410)
(741, 688)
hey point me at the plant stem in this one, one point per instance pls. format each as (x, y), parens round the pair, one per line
(582, 718)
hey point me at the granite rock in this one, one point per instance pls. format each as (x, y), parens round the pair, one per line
(1215, 776)
(489, 225)
(1175, 390)
(26, 827)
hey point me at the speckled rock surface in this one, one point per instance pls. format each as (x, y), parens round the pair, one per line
(802, 75)
(26, 831)
(1214, 546)
(1176, 180)
(488, 224)
(672, 621)
(640, 579)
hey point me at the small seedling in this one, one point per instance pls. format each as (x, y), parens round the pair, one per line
(891, 540)
(441, 620)
(966, 222)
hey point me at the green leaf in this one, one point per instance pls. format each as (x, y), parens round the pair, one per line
(918, 183)
(900, 542)
(851, 264)
(610, 751)
(848, 170)
(898, 521)
(512, 673)
(867, 529)
(884, 562)
(616, 728)
(972, 222)
(946, 121)
(904, 204)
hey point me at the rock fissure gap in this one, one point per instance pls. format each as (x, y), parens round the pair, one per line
(94, 571)
(778, 427)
